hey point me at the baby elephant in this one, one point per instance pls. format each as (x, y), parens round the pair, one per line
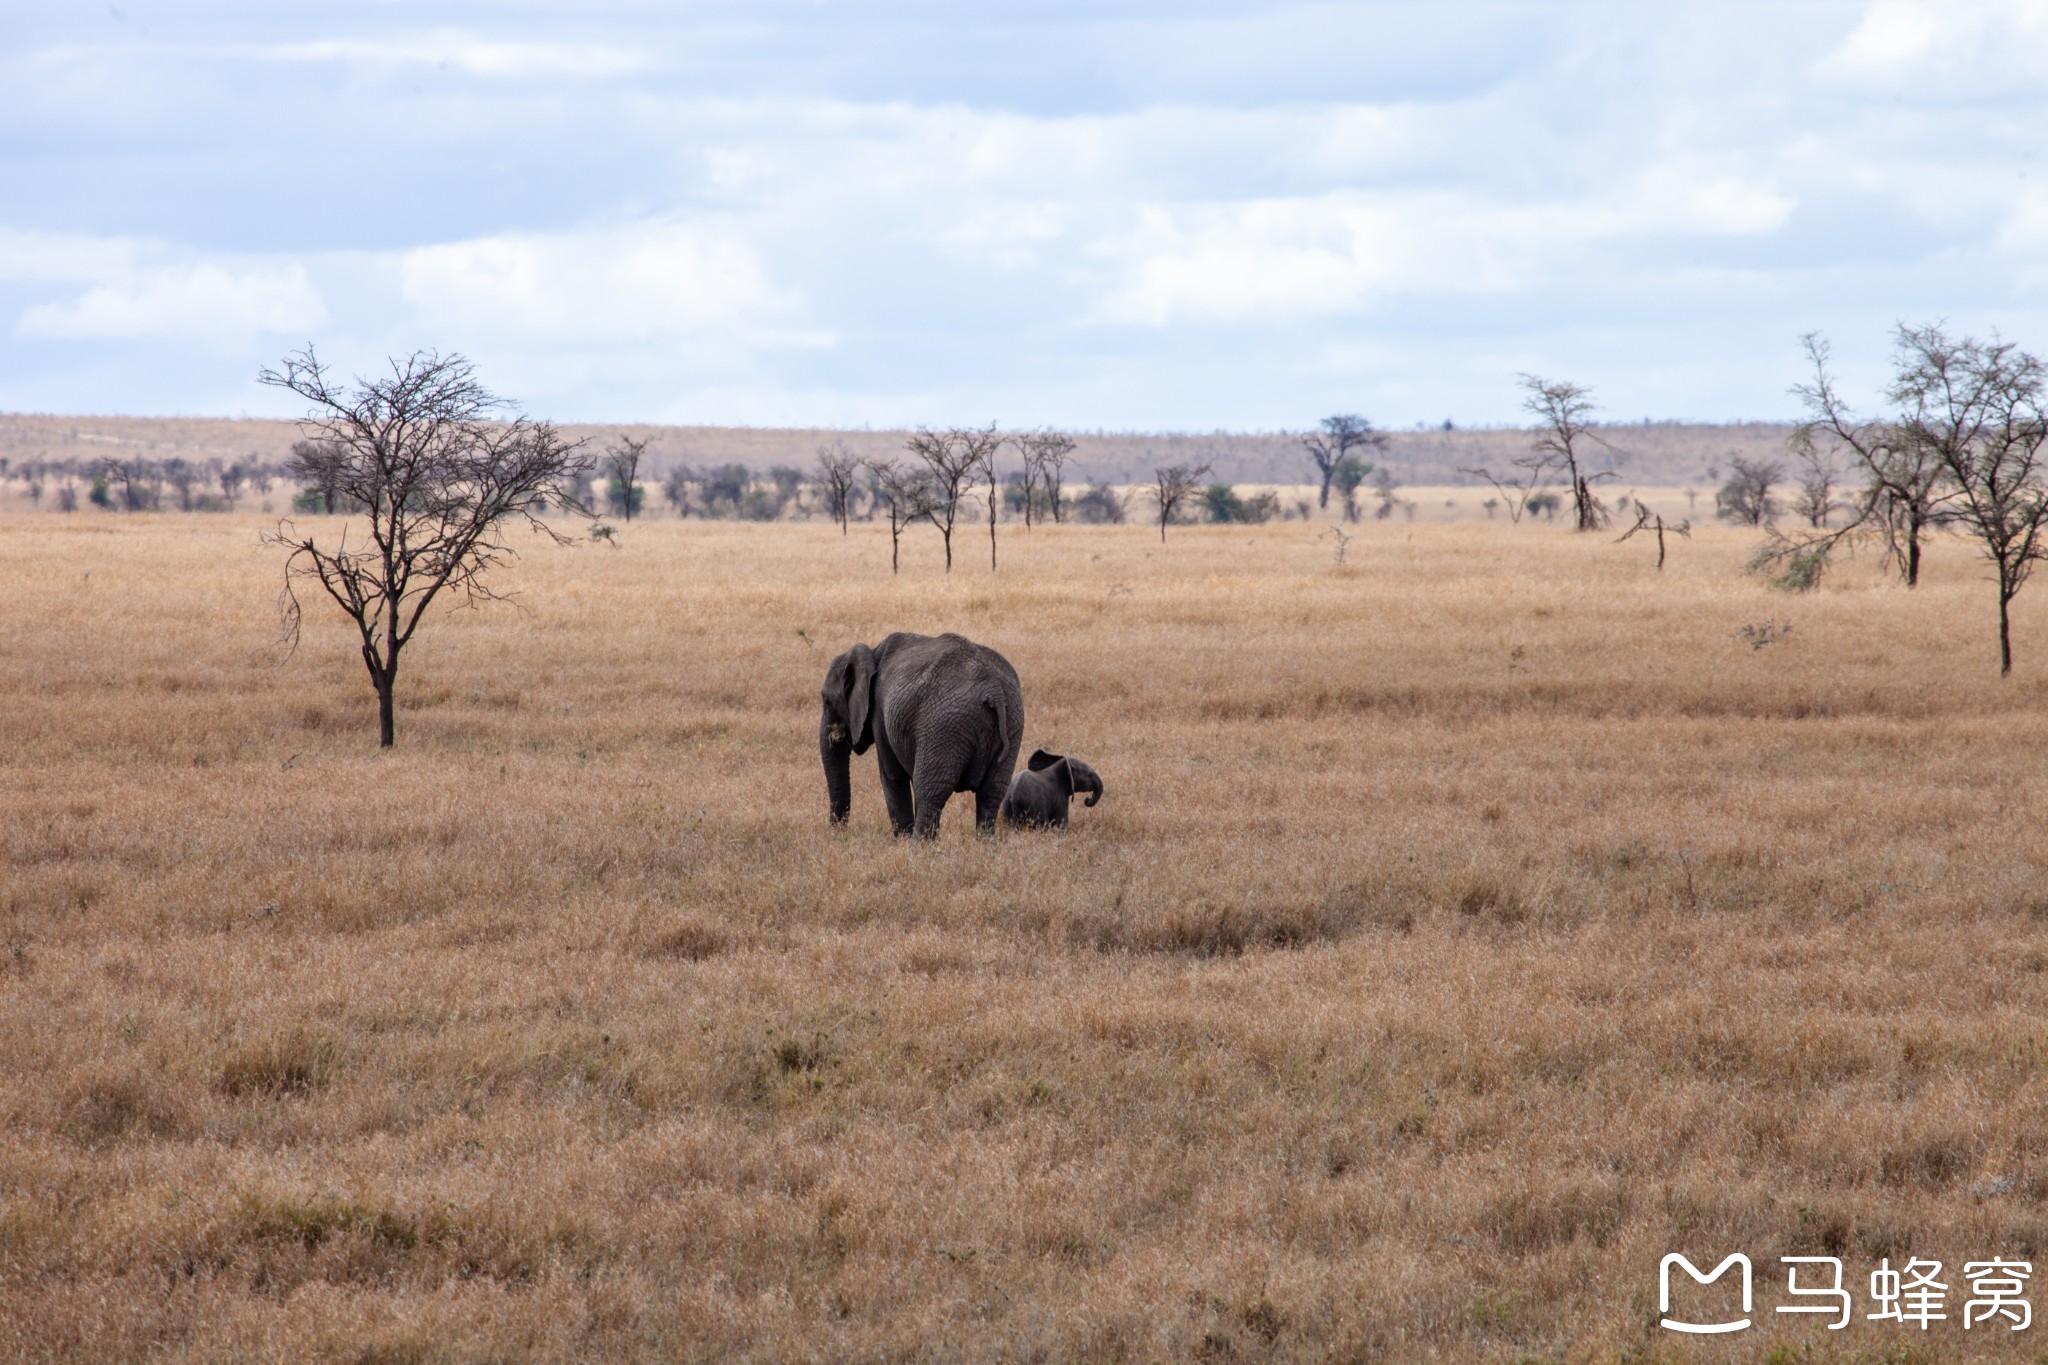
(1038, 796)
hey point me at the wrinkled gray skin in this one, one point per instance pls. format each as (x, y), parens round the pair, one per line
(943, 714)
(1039, 795)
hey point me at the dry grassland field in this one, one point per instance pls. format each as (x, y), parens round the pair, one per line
(1464, 928)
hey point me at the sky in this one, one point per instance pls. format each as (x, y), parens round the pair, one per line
(1125, 214)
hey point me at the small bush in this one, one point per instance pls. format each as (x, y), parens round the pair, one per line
(794, 1054)
(1483, 898)
(290, 1064)
(1099, 506)
(107, 1104)
(691, 940)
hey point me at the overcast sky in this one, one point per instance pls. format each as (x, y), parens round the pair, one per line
(1124, 213)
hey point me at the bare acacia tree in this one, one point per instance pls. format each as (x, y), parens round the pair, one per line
(1563, 437)
(140, 480)
(1045, 455)
(1978, 408)
(1746, 497)
(231, 475)
(1904, 479)
(838, 469)
(1333, 445)
(1518, 490)
(954, 459)
(1648, 521)
(1816, 480)
(622, 464)
(1173, 486)
(425, 452)
(907, 494)
(988, 470)
(318, 465)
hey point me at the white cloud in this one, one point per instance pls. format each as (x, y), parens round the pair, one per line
(465, 52)
(1943, 47)
(180, 299)
(1333, 253)
(58, 258)
(602, 286)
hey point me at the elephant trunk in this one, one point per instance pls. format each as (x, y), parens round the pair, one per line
(836, 749)
(1092, 784)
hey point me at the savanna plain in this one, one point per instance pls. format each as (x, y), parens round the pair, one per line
(1465, 926)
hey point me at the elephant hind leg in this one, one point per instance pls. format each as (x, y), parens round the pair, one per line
(988, 803)
(896, 796)
(930, 803)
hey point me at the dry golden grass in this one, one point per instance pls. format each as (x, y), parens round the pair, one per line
(1463, 929)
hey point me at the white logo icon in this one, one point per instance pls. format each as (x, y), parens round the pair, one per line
(1701, 1328)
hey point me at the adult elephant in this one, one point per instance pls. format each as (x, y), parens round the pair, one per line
(943, 714)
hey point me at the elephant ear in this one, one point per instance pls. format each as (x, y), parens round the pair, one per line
(1040, 760)
(860, 699)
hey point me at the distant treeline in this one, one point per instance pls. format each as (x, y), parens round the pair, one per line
(735, 492)
(140, 484)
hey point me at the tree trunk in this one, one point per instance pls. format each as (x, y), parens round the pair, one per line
(2004, 631)
(1582, 505)
(1913, 552)
(383, 679)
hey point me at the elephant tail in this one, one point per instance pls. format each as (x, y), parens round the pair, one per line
(1007, 735)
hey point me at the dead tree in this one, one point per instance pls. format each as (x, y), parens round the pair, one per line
(1045, 455)
(622, 464)
(954, 459)
(318, 466)
(1518, 491)
(1647, 521)
(907, 494)
(141, 483)
(1174, 485)
(838, 468)
(1562, 440)
(1818, 475)
(988, 469)
(1334, 444)
(1745, 498)
(1977, 407)
(1054, 447)
(1904, 479)
(231, 475)
(427, 455)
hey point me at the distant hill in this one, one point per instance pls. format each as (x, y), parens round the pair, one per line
(1668, 454)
